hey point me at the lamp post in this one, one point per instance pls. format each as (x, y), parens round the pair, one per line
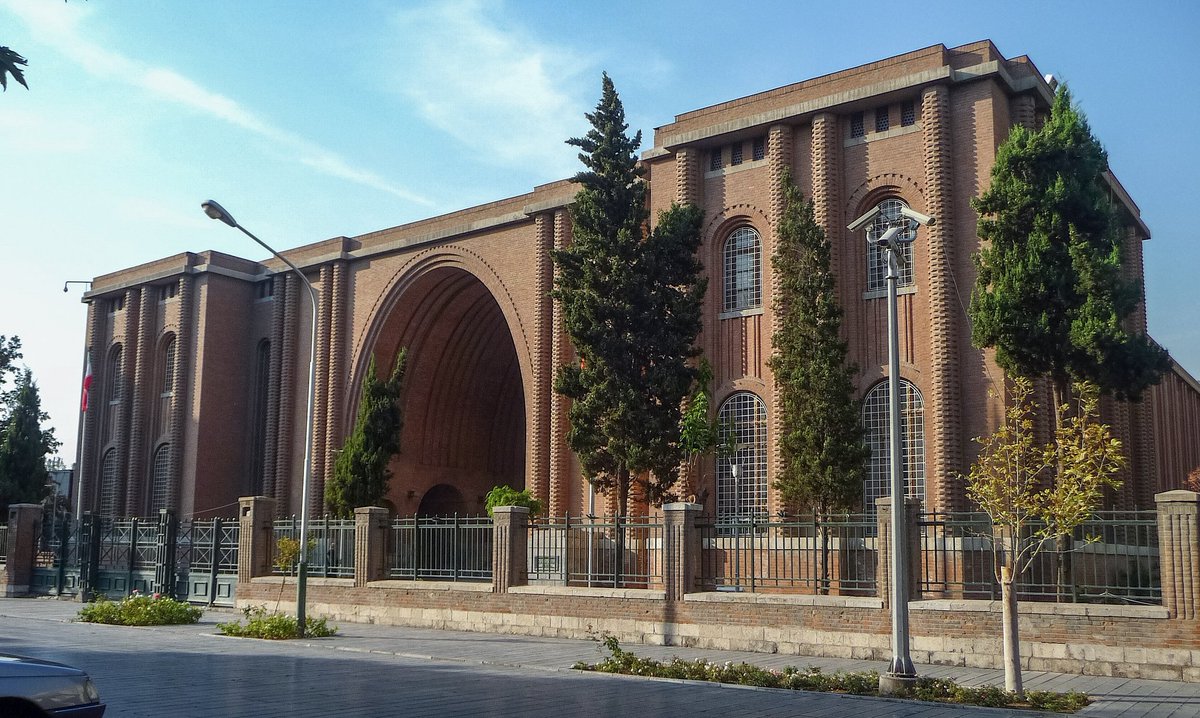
(77, 469)
(216, 211)
(901, 672)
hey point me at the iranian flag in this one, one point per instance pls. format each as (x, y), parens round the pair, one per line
(87, 385)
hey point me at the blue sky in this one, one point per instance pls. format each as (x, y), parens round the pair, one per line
(309, 120)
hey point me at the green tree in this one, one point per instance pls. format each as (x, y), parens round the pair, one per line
(361, 474)
(631, 304)
(10, 64)
(1050, 296)
(24, 446)
(821, 443)
(1008, 482)
(699, 433)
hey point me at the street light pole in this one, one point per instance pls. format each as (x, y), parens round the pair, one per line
(216, 211)
(77, 470)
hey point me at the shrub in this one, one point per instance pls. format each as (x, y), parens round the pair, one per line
(508, 496)
(138, 609)
(863, 683)
(274, 626)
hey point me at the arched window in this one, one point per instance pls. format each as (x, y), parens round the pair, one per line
(114, 390)
(743, 270)
(166, 386)
(876, 417)
(258, 417)
(160, 479)
(109, 488)
(742, 476)
(877, 258)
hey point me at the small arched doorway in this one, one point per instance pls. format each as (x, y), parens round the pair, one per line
(442, 500)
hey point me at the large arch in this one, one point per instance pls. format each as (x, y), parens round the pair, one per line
(464, 397)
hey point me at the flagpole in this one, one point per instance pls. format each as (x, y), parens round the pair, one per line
(77, 470)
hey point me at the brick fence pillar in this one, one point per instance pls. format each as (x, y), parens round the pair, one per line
(1179, 554)
(510, 547)
(883, 556)
(24, 527)
(254, 537)
(681, 548)
(370, 544)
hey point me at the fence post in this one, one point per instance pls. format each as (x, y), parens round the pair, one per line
(370, 544)
(510, 547)
(214, 567)
(256, 514)
(89, 555)
(24, 529)
(883, 519)
(1179, 555)
(681, 548)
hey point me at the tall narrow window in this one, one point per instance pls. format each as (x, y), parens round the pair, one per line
(743, 270)
(109, 489)
(908, 113)
(114, 390)
(742, 475)
(166, 387)
(877, 256)
(856, 125)
(735, 154)
(876, 422)
(258, 417)
(882, 121)
(160, 479)
(714, 159)
(759, 150)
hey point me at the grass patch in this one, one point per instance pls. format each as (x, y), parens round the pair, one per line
(139, 609)
(861, 683)
(274, 626)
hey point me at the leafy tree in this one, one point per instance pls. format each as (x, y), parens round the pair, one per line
(1050, 297)
(700, 435)
(24, 445)
(1008, 480)
(10, 64)
(821, 444)
(631, 304)
(508, 496)
(361, 474)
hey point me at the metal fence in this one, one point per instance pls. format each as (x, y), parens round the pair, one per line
(441, 548)
(330, 546)
(4, 544)
(616, 551)
(798, 554)
(1111, 558)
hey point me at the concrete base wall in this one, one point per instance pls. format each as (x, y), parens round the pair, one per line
(1128, 641)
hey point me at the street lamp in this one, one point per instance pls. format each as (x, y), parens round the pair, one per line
(216, 211)
(901, 672)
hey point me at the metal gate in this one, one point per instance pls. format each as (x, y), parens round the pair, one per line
(193, 560)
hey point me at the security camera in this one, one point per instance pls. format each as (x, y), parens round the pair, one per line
(917, 216)
(890, 239)
(864, 220)
(64, 287)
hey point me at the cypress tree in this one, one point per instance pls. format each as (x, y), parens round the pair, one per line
(24, 446)
(361, 474)
(631, 304)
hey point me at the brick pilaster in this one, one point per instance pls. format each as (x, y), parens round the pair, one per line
(24, 528)
(143, 383)
(1179, 551)
(541, 392)
(944, 385)
(779, 161)
(121, 432)
(560, 453)
(271, 441)
(688, 182)
(87, 459)
(287, 392)
(256, 515)
(316, 491)
(681, 548)
(825, 181)
(370, 544)
(180, 387)
(335, 376)
(1023, 112)
(510, 547)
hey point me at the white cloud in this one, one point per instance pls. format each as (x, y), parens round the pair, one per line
(58, 27)
(491, 85)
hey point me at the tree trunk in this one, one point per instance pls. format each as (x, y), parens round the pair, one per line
(822, 557)
(1010, 636)
(1065, 591)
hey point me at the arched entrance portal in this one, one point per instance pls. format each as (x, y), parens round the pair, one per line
(464, 408)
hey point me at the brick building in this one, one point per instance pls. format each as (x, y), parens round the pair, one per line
(200, 360)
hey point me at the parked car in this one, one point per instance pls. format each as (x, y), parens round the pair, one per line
(31, 688)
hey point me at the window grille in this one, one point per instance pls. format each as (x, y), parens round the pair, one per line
(160, 479)
(882, 121)
(876, 417)
(877, 265)
(714, 160)
(908, 113)
(266, 288)
(743, 270)
(735, 154)
(856, 125)
(760, 148)
(114, 389)
(745, 416)
(109, 490)
(166, 291)
(166, 387)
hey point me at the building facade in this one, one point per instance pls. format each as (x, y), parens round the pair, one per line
(200, 360)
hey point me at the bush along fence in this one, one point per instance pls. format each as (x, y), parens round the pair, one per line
(192, 560)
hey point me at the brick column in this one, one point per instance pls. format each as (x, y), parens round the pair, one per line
(181, 386)
(24, 526)
(285, 435)
(688, 183)
(316, 491)
(560, 406)
(255, 537)
(825, 183)
(883, 555)
(779, 162)
(510, 547)
(541, 392)
(334, 394)
(86, 461)
(142, 395)
(271, 449)
(370, 544)
(681, 548)
(1179, 553)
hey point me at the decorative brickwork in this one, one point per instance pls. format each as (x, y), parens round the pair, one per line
(181, 382)
(143, 385)
(688, 173)
(320, 408)
(290, 289)
(944, 385)
(1179, 552)
(89, 451)
(779, 160)
(560, 453)
(541, 394)
(271, 449)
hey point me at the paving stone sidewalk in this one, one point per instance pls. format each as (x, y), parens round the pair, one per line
(1127, 698)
